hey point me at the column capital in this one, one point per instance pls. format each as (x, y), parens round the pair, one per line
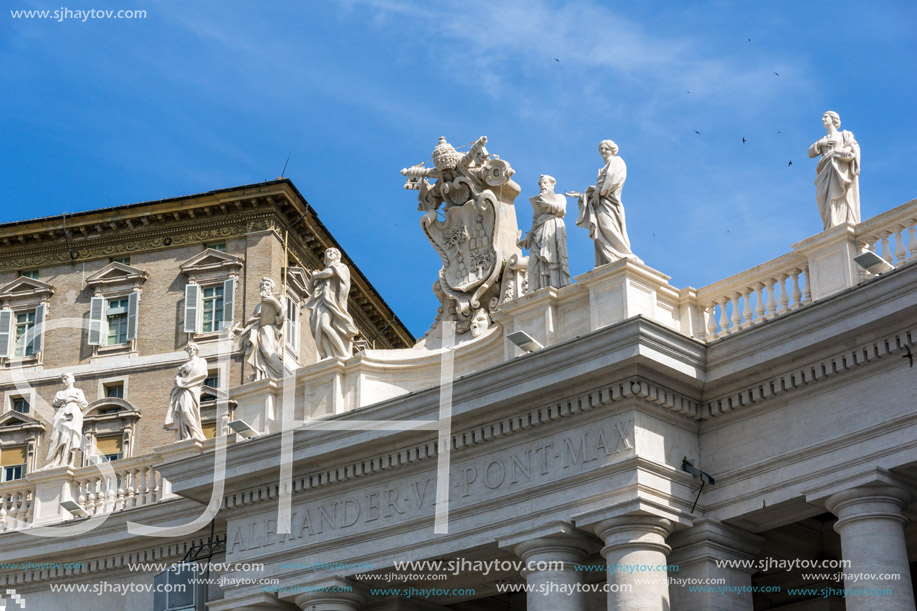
(711, 540)
(636, 531)
(559, 538)
(332, 594)
(885, 501)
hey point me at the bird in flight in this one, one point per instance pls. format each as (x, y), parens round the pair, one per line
(776, 73)
(557, 60)
(749, 40)
(743, 139)
(696, 132)
(789, 164)
(779, 132)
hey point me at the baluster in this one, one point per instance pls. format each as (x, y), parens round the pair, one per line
(784, 297)
(3, 512)
(771, 298)
(886, 250)
(92, 500)
(724, 319)
(29, 500)
(111, 483)
(81, 494)
(14, 510)
(132, 489)
(759, 303)
(807, 286)
(912, 240)
(120, 498)
(736, 313)
(900, 250)
(797, 294)
(747, 313)
(710, 315)
(157, 485)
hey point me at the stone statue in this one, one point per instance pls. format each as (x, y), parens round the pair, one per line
(332, 327)
(837, 183)
(470, 220)
(480, 323)
(547, 240)
(601, 210)
(184, 413)
(67, 425)
(262, 335)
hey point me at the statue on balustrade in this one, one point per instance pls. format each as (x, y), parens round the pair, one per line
(67, 425)
(470, 220)
(184, 413)
(601, 210)
(547, 240)
(332, 327)
(262, 335)
(837, 181)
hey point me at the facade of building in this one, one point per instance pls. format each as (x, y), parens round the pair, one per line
(748, 445)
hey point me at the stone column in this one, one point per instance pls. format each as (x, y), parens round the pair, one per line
(550, 555)
(696, 551)
(871, 525)
(635, 546)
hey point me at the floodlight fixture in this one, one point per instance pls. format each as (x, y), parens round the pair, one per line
(524, 341)
(242, 428)
(873, 263)
(76, 510)
(693, 471)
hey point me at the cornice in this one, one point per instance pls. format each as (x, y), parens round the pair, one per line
(632, 387)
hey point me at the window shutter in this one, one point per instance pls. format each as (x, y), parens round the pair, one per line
(292, 323)
(10, 457)
(6, 332)
(192, 299)
(133, 301)
(96, 316)
(229, 301)
(38, 331)
(109, 445)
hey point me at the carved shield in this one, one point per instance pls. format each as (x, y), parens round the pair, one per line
(465, 243)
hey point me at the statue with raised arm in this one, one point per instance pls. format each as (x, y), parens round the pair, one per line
(262, 335)
(601, 210)
(547, 240)
(332, 327)
(837, 182)
(184, 413)
(67, 425)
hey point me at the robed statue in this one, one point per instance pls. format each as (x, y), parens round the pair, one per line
(67, 425)
(601, 211)
(262, 333)
(837, 181)
(547, 240)
(184, 413)
(332, 326)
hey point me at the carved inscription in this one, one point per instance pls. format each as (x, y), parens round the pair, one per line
(470, 481)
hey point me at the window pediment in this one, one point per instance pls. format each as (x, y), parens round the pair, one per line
(298, 282)
(25, 291)
(103, 410)
(211, 265)
(14, 421)
(117, 276)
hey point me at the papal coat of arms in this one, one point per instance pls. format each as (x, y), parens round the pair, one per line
(470, 220)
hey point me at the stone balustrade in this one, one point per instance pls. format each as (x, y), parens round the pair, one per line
(16, 501)
(134, 483)
(754, 296)
(891, 234)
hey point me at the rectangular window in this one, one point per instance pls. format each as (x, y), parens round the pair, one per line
(29, 273)
(117, 322)
(123, 260)
(115, 390)
(12, 463)
(212, 309)
(292, 330)
(20, 404)
(221, 246)
(25, 323)
(213, 379)
(110, 447)
(209, 429)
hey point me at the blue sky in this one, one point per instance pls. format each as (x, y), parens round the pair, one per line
(207, 95)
